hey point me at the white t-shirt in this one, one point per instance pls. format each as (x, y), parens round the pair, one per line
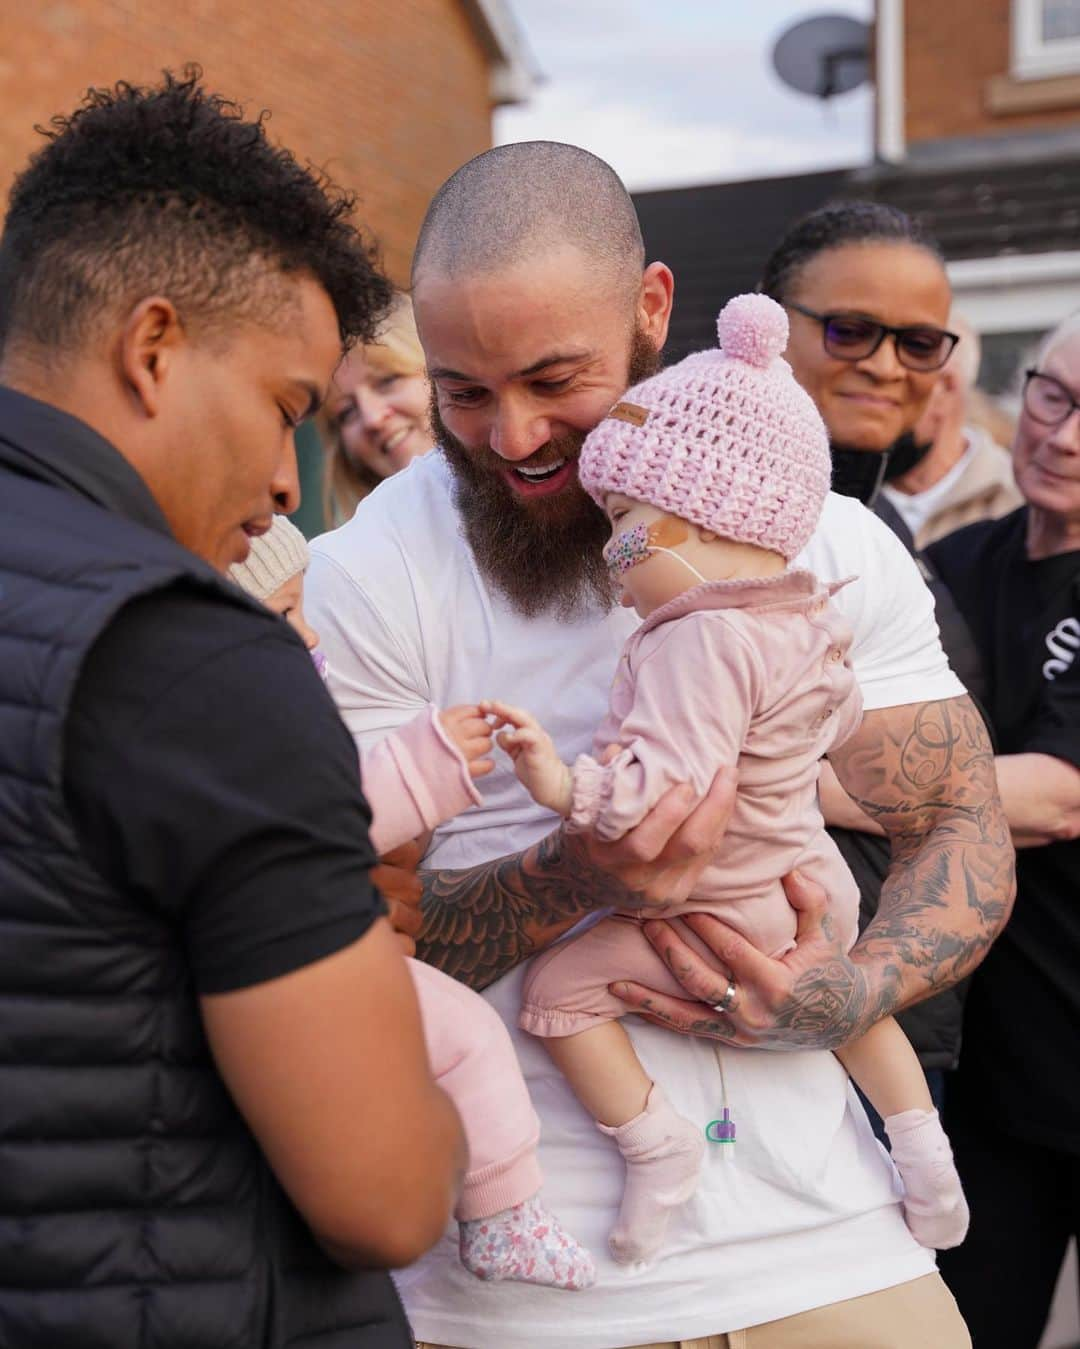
(806, 1212)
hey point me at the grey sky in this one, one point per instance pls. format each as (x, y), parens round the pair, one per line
(678, 92)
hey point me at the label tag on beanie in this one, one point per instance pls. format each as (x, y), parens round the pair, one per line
(629, 412)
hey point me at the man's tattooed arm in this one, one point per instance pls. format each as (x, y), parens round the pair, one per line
(925, 773)
(482, 921)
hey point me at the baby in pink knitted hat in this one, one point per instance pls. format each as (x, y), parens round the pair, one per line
(713, 475)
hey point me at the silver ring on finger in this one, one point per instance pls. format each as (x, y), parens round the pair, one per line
(727, 1002)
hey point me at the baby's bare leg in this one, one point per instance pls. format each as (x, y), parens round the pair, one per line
(663, 1152)
(886, 1069)
(604, 1071)
(884, 1065)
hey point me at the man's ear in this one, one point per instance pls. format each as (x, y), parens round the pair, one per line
(655, 302)
(149, 343)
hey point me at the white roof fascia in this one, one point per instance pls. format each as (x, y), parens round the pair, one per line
(514, 73)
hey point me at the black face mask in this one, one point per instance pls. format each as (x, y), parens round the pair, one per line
(905, 454)
(860, 473)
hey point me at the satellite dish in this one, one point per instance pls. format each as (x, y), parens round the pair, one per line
(824, 56)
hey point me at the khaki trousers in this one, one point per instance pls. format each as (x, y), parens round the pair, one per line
(917, 1315)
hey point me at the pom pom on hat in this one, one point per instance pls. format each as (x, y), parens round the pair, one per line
(274, 558)
(754, 329)
(726, 439)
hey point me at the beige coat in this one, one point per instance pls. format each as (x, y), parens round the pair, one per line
(985, 490)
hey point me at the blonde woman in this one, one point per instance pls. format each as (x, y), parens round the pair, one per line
(376, 417)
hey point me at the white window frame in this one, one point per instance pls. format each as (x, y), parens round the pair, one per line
(889, 38)
(1016, 292)
(1033, 58)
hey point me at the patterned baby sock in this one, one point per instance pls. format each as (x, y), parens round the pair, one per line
(663, 1154)
(525, 1244)
(934, 1204)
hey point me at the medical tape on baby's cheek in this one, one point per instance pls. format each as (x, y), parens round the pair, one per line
(668, 532)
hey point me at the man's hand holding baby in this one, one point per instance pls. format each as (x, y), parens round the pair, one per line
(814, 997)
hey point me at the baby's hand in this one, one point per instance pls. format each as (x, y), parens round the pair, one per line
(536, 761)
(468, 728)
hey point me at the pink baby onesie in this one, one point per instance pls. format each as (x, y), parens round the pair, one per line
(752, 673)
(414, 780)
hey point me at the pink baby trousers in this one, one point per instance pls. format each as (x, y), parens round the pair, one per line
(751, 673)
(413, 780)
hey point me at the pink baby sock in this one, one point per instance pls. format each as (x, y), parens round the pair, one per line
(663, 1154)
(934, 1203)
(525, 1244)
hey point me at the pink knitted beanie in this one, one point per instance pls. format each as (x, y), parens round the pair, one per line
(726, 439)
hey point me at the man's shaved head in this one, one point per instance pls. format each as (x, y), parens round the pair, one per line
(536, 311)
(518, 201)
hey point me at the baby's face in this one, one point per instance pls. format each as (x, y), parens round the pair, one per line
(288, 601)
(657, 577)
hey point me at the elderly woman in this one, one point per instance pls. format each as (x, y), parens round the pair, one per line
(1014, 1107)
(376, 417)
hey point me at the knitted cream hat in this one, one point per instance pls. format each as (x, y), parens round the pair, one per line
(726, 439)
(275, 557)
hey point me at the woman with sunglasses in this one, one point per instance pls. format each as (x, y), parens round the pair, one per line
(868, 302)
(1014, 1105)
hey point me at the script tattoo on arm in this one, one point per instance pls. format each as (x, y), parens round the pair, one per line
(482, 921)
(925, 772)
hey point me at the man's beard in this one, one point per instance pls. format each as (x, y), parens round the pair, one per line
(544, 553)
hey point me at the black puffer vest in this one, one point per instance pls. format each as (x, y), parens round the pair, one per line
(135, 1210)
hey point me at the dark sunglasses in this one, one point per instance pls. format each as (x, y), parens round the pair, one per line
(1047, 400)
(849, 337)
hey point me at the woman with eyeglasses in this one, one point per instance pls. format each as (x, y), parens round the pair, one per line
(1014, 1106)
(868, 302)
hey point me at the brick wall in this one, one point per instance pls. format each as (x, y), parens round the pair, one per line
(390, 96)
(954, 51)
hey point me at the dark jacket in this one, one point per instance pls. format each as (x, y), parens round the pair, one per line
(135, 1207)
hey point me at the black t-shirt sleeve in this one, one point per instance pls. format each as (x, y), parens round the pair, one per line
(211, 779)
(960, 560)
(1054, 728)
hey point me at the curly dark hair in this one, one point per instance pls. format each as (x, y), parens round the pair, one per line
(832, 226)
(168, 190)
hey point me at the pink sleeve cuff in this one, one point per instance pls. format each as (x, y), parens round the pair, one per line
(415, 780)
(591, 794)
(458, 791)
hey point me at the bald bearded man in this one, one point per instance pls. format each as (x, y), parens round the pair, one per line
(477, 573)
